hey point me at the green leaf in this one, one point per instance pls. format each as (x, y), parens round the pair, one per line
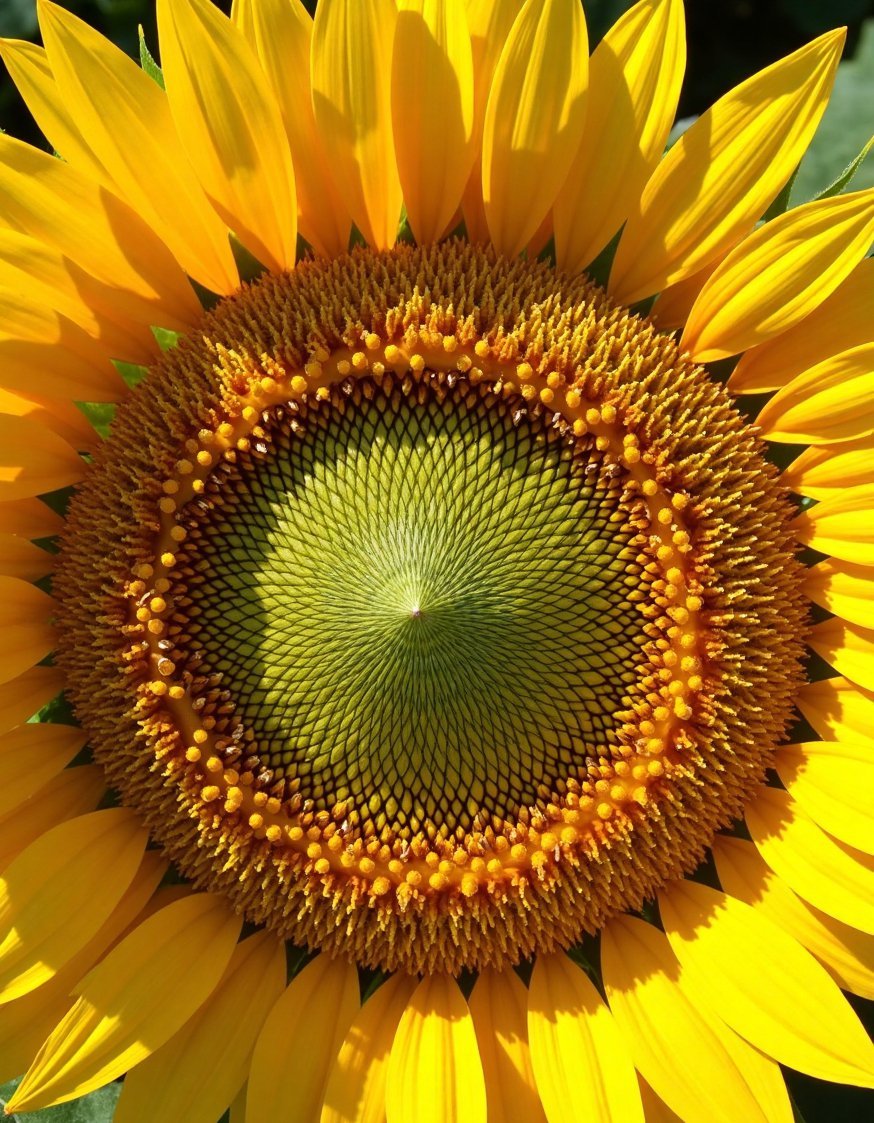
(147, 62)
(57, 712)
(166, 338)
(132, 373)
(845, 127)
(98, 1107)
(248, 266)
(100, 414)
(847, 175)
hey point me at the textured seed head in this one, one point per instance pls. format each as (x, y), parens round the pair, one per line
(430, 607)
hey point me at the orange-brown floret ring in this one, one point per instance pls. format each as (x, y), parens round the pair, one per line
(439, 866)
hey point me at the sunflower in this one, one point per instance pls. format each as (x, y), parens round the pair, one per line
(454, 706)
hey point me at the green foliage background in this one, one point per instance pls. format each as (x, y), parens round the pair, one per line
(728, 41)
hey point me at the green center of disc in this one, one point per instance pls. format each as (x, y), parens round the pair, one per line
(418, 602)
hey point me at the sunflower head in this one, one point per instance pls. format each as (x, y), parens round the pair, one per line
(430, 602)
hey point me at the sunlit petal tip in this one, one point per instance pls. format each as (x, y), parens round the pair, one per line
(197, 1073)
(828, 403)
(125, 119)
(29, 69)
(134, 1000)
(843, 588)
(847, 954)
(634, 83)
(820, 869)
(840, 323)
(765, 985)
(351, 88)
(534, 119)
(231, 127)
(834, 783)
(824, 471)
(26, 624)
(778, 275)
(842, 527)
(718, 179)
(60, 890)
(433, 131)
(663, 1025)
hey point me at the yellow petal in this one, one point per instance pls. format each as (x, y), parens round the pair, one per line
(133, 1001)
(823, 472)
(356, 1086)
(838, 710)
(765, 985)
(778, 275)
(434, 1072)
(56, 894)
(842, 527)
(63, 418)
(534, 119)
(41, 273)
(841, 322)
(842, 588)
(197, 1073)
(46, 354)
(285, 1081)
(125, 118)
(489, 22)
(230, 125)
(848, 647)
(834, 783)
(499, 1007)
(20, 558)
(821, 870)
(663, 1028)
(847, 954)
(237, 1110)
(29, 69)
(432, 111)
(635, 78)
(351, 78)
(655, 1110)
(583, 1069)
(34, 460)
(31, 518)
(281, 31)
(831, 402)
(24, 624)
(719, 177)
(22, 697)
(27, 1021)
(75, 791)
(46, 198)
